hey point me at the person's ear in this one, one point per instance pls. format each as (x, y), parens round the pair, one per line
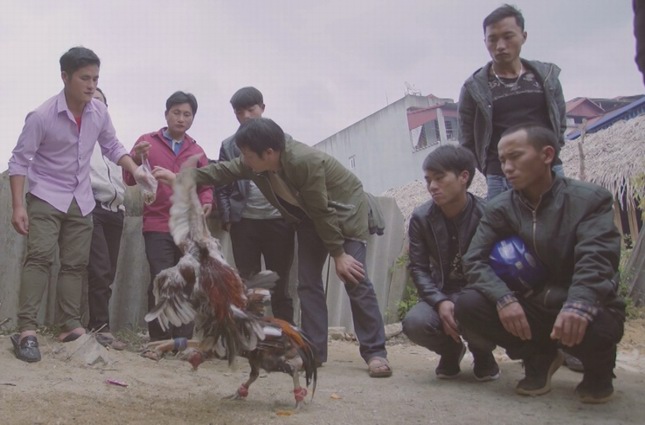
(464, 176)
(548, 153)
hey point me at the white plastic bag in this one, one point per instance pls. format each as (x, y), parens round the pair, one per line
(146, 181)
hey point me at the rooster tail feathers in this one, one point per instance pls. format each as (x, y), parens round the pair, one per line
(309, 360)
(172, 289)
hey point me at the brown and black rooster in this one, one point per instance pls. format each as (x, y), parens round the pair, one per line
(228, 312)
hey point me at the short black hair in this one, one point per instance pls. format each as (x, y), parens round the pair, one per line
(503, 12)
(77, 58)
(246, 97)
(260, 134)
(537, 135)
(103, 94)
(451, 158)
(179, 97)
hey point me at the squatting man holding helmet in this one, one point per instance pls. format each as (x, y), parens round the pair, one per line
(569, 226)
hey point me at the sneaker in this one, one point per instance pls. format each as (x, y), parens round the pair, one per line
(448, 367)
(595, 387)
(573, 363)
(537, 373)
(486, 368)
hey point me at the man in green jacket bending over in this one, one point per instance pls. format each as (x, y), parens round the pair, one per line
(568, 225)
(327, 205)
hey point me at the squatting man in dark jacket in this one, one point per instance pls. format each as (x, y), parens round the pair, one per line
(568, 224)
(440, 232)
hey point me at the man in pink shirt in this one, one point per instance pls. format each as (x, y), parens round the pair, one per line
(53, 155)
(169, 148)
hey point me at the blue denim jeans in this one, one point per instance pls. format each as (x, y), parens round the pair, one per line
(368, 323)
(499, 184)
(496, 185)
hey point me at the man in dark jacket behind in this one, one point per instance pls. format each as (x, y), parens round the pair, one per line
(569, 226)
(440, 232)
(505, 92)
(256, 227)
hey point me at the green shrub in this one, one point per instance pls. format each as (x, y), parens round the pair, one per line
(623, 290)
(409, 300)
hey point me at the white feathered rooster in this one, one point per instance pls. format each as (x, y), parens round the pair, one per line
(228, 317)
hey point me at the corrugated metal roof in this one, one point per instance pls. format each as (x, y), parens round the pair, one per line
(609, 118)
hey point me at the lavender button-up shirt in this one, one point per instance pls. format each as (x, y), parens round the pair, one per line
(55, 155)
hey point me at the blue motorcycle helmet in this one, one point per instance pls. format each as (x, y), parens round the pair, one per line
(520, 269)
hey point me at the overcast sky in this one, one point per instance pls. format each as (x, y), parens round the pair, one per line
(322, 65)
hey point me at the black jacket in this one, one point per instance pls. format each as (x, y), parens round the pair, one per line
(231, 198)
(429, 242)
(572, 231)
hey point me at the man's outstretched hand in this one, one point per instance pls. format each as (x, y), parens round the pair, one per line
(163, 175)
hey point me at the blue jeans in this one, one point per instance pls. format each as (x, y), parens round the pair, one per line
(499, 184)
(368, 323)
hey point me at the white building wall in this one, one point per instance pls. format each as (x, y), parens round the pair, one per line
(381, 146)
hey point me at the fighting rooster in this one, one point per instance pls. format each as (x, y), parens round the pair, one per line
(228, 312)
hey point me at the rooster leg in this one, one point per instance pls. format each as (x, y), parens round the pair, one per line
(299, 393)
(243, 391)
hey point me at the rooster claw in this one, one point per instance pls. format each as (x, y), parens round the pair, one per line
(240, 394)
(234, 396)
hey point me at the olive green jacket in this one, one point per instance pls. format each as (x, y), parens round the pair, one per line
(330, 195)
(572, 232)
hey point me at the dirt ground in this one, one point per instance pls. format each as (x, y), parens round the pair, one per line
(62, 389)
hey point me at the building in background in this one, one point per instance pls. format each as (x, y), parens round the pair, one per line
(387, 148)
(600, 113)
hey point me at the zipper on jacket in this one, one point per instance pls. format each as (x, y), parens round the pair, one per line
(434, 235)
(533, 225)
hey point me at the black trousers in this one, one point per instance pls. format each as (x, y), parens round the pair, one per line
(101, 269)
(274, 240)
(477, 317)
(162, 253)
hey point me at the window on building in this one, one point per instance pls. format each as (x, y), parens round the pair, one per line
(450, 134)
(352, 162)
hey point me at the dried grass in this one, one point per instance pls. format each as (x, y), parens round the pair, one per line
(613, 157)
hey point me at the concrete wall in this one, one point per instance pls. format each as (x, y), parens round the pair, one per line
(381, 146)
(128, 304)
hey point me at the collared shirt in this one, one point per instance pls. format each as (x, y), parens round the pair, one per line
(175, 145)
(54, 154)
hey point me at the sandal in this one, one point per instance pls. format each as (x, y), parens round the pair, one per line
(379, 367)
(108, 341)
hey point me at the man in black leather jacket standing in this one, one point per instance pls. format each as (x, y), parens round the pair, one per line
(440, 232)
